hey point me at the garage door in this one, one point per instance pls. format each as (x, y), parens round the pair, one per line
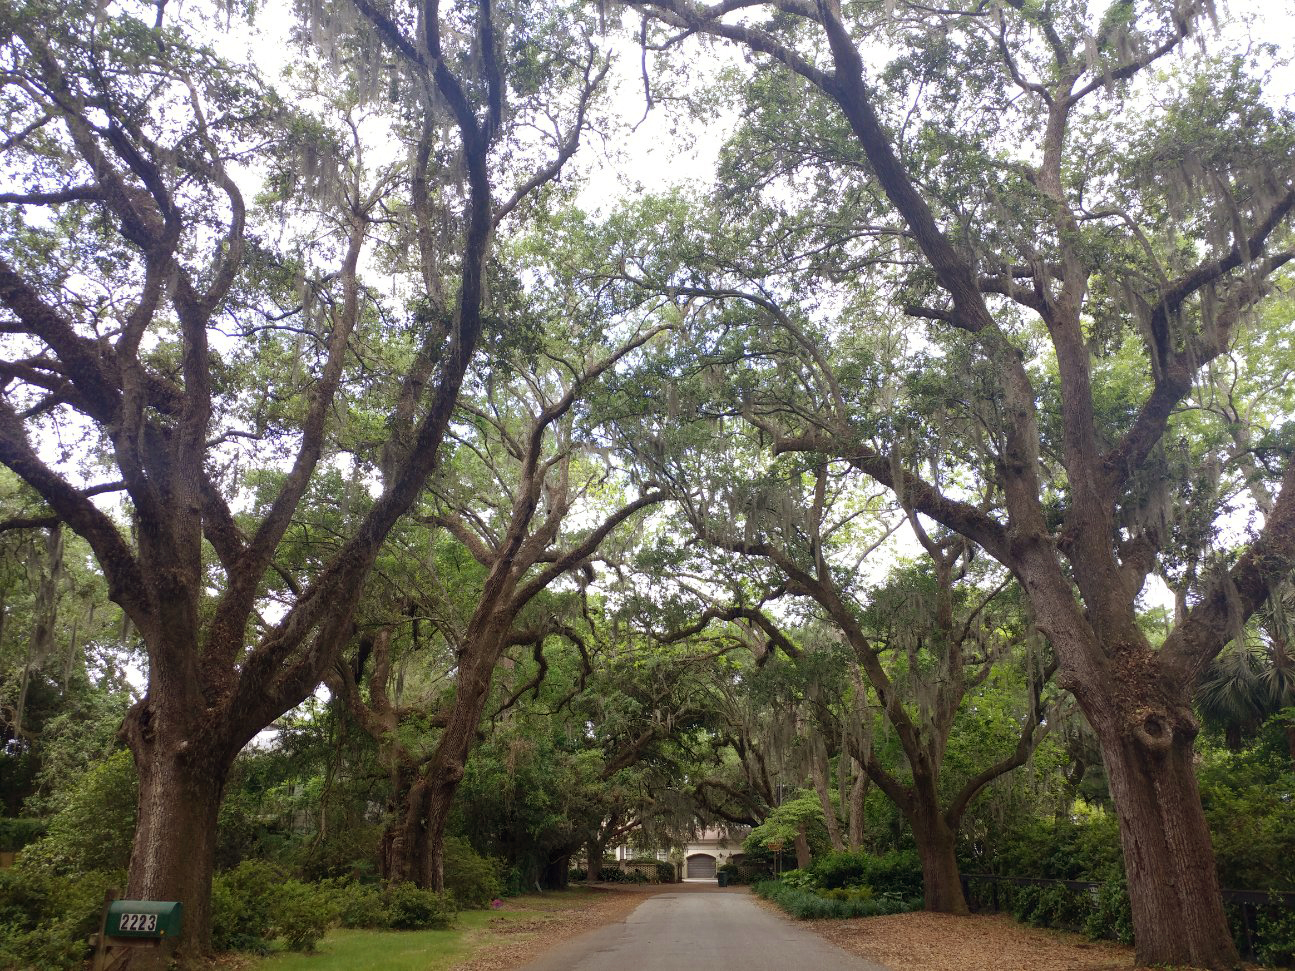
(701, 865)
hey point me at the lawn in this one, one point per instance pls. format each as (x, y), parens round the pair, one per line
(362, 950)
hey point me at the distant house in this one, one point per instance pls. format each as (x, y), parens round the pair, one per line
(703, 855)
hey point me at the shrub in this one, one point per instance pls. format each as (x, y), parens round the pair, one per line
(17, 833)
(50, 947)
(1111, 916)
(808, 905)
(411, 908)
(472, 878)
(800, 879)
(46, 918)
(665, 872)
(1275, 942)
(302, 914)
(94, 828)
(346, 852)
(361, 905)
(848, 869)
(256, 903)
(1051, 905)
(242, 902)
(847, 893)
(897, 874)
(577, 874)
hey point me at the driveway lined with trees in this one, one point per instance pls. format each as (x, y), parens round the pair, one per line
(711, 929)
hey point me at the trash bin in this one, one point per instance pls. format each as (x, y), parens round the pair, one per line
(723, 879)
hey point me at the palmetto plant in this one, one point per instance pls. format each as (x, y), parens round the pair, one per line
(1254, 678)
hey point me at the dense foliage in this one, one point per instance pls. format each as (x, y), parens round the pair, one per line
(394, 517)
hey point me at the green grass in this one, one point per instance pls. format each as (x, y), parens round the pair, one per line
(357, 950)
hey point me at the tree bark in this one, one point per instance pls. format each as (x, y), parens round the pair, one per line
(819, 770)
(442, 777)
(1169, 861)
(803, 857)
(937, 848)
(858, 795)
(405, 840)
(595, 854)
(174, 853)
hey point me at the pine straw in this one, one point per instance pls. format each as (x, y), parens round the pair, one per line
(512, 943)
(941, 942)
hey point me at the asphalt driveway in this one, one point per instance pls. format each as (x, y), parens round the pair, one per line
(707, 931)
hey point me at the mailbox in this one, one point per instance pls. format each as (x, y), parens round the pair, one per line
(155, 919)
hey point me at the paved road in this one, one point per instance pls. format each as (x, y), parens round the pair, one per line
(714, 931)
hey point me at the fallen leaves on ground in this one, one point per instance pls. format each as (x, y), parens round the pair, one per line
(942, 942)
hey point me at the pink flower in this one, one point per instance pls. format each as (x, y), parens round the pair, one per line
(496, 903)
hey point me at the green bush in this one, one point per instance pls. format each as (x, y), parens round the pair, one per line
(257, 902)
(1249, 802)
(49, 947)
(849, 869)
(577, 874)
(1052, 905)
(1111, 916)
(897, 874)
(46, 918)
(808, 905)
(617, 875)
(17, 833)
(475, 880)
(302, 914)
(665, 872)
(847, 893)
(800, 879)
(361, 905)
(94, 828)
(242, 906)
(1275, 940)
(413, 909)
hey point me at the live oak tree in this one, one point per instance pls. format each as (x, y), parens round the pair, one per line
(146, 313)
(920, 645)
(802, 535)
(528, 502)
(1043, 184)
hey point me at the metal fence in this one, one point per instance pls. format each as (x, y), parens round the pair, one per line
(1248, 901)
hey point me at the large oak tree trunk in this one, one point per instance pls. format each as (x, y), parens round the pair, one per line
(174, 853)
(405, 849)
(937, 849)
(1178, 916)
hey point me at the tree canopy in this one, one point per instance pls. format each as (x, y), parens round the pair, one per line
(943, 430)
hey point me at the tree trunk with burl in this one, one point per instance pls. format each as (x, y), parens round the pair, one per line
(1077, 530)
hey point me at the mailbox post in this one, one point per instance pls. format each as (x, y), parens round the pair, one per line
(132, 924)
